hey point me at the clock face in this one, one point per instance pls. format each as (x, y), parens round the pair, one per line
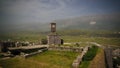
(53, 26)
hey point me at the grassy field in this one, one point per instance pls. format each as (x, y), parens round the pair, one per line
(66, 57)
(100, 40)
(84, 64)
(55, 59)
(22, 36)
(36, 37)
(48, 59)
(101, 37)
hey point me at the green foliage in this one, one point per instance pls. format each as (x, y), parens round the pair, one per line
(1, 55)
(116, 61)
(89, 57)
(90, 54)
(84, 64)
(44, 41)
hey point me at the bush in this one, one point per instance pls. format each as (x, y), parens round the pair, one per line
(90, 54)
(116, 61)
(44, 41)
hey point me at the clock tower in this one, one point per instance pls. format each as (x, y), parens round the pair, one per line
(54, 38)
(53, 27)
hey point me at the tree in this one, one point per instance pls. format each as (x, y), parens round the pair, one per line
(44, 41)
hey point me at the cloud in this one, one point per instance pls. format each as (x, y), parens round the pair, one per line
(92, 23)
(47, 10)
(36, 10)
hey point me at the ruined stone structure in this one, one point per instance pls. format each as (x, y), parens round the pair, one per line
(79, 58)
(116, 52)
(5, 44)
(65, 48)
(53, 38)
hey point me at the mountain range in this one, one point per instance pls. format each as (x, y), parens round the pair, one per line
(93, 22)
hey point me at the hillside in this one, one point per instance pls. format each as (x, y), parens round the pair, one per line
(96, 22)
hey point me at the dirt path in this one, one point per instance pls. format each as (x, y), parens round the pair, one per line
(99, 60)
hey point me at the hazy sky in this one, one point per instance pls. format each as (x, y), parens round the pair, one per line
(48, 10)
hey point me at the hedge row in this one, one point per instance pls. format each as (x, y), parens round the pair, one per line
(90, 54)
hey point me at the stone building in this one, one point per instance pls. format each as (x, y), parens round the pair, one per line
(54, 38)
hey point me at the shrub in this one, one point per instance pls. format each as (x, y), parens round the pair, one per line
(44, 41)
(90, 54)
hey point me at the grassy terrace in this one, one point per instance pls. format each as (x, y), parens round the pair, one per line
(48, 59)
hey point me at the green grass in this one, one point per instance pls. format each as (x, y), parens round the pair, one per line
(56, 58)
(48, 59)
(32, 37)
(100, 40)
(37, 36)
(84, 64)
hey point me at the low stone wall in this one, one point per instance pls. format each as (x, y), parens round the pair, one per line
(79, 58)
(108, 57)
(34, 53)
(65, 48)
